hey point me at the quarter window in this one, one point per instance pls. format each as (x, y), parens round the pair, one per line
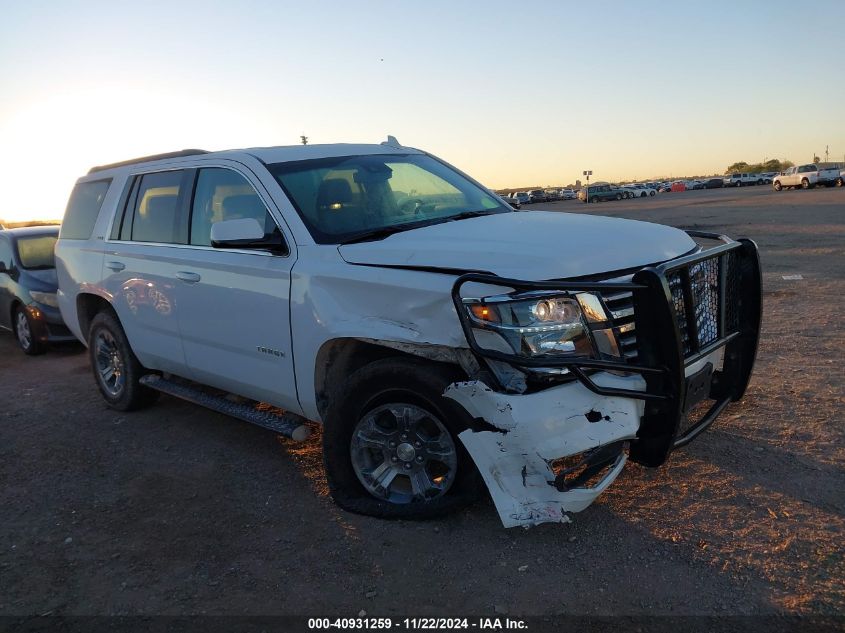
(223, 194)
(83, 208)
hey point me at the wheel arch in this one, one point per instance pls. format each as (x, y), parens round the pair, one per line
(338, 358)
(88, 305)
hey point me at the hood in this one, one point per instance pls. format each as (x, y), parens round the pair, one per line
(41, 280)
(532, 245)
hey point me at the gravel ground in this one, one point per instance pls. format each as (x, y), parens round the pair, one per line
(177, 510)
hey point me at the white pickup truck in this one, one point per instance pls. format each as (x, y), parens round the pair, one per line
(439, 336)
(805, 177)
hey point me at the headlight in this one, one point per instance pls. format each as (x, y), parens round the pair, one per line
(542, 324)
(46, 298)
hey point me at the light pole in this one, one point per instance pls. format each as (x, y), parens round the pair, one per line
(587, 173)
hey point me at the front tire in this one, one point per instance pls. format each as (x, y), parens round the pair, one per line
(25, 333)
(117, 370)
(390, 443)
(777, 186)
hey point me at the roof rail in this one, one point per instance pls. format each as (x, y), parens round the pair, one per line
(144, 159)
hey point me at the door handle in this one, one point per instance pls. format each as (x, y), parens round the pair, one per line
(115, 266)
(189, 277)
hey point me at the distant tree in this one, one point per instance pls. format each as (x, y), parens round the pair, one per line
(737, 168)
(773, 164)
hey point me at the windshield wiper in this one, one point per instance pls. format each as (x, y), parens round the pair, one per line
(386, 231)
(383, 232)
(471, 214)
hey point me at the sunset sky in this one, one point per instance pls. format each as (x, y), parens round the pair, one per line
(515, 93)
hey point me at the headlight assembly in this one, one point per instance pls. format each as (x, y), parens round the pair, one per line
(535, 324)
(45, 298)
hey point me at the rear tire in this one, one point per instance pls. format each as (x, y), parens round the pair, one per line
(25, 333)
(777, 186)
(805, 184)
(117, 370)
(392, 434)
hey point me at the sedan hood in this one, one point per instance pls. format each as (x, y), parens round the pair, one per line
(44, 280)
(532, 245)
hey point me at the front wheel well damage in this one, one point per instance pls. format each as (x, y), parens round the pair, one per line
(338, 359)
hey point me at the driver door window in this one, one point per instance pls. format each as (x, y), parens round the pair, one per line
(223, 194)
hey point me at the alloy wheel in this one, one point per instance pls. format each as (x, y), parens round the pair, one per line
(23, 331)
(110, 366)
(402, 453)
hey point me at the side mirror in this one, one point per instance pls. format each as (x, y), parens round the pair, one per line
(246, 233)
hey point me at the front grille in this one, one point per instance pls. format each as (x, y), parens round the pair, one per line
(621, 307)
(697, 302)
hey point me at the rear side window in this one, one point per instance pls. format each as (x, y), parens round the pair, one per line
(156, 212)
(83, 208)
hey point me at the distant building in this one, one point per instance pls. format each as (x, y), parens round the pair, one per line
(577, 184)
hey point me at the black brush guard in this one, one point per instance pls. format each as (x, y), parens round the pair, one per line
(661, 314)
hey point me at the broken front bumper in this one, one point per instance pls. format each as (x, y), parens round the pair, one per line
(697, 321)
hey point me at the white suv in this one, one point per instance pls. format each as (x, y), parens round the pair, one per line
(440, 337)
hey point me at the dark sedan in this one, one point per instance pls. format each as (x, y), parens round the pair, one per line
(713, 183)
(28, 285)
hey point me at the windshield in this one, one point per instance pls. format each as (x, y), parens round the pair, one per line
(36, 252)
(342, 198)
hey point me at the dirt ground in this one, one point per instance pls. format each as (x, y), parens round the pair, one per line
(177, 510)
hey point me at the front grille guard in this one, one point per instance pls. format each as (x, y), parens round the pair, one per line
(663, 354)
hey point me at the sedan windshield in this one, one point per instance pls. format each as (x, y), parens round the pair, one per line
(36, 252)
(352, 197)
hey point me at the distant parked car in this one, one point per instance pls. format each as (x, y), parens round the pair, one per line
(521, 197)
(804, 176)
(713, 183)
(640, 191)
(507, 198)
(679, 185)
(740, 180)
(537, 195)
(28, 305)
(568, 194)
(599, 193)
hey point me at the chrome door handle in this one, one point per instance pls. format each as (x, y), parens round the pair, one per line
(115, 266)
(191, 278)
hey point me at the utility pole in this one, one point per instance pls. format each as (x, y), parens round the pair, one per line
(827, 153)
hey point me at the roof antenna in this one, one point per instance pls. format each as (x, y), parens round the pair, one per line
(391, 140)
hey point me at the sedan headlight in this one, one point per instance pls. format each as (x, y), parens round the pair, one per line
(45, 298)
(535, 325)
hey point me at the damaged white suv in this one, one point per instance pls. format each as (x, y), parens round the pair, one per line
(439, 336)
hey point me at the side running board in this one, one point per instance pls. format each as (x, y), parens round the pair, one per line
(288, 424)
